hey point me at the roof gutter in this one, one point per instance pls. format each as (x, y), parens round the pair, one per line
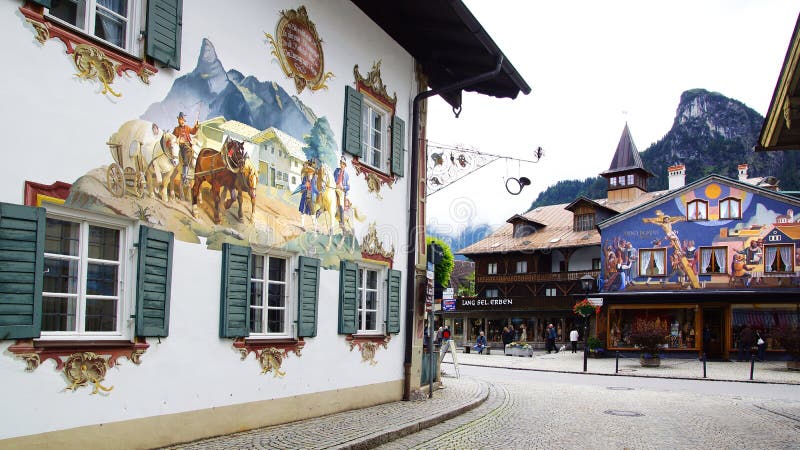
(413, 228)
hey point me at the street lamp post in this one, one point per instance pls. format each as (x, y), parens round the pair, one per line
(587, 283)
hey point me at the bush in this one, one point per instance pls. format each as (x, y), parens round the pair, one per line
(594, 343)
(648, 336)
(789, 339)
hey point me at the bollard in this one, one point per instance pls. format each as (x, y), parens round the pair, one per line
(752, 366)
(704, 365)
(616, 368)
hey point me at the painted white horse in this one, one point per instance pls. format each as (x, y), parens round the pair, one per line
(165, 165)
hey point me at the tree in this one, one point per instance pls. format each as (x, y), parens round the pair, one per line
(444, 267)
(467, 288)
(321, 145)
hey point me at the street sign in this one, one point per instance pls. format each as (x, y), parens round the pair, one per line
(447, 293)
(448, 304)
(429, 291)
(595, 301)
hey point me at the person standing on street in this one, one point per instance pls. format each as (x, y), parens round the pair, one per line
(746, 340)
(508, 337)
(761, 344)
(550, 338)
(573, 339)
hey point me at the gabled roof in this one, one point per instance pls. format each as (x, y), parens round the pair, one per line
(626, 157)
(597, 205)
(242, 129)
(449, 42)
(781, 128)
(293, 146)
(670, 195)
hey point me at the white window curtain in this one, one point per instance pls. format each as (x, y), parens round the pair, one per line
(705, 260)
(724, 209)
(772, 252)
(645, 261)
(659, 259)
(735, 209)
(692, 213)
(719, 254)
(786, 257)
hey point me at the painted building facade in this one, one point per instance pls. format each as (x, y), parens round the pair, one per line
(155, 287)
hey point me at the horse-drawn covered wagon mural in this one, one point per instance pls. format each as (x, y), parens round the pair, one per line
(260, 169)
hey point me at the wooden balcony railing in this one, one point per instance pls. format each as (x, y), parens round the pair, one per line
(538, 277)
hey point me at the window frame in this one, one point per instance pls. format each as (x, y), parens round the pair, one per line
(381, 280)
(792, 257)
(491, 292)
(491, 268)
(290, 295)
(524, 265)
(730, 200)
(723, 267)
(550, 292)
(584, 222)
(643, 270)
(136, 18)
(370, 104)
(126, 283)
(697, 218)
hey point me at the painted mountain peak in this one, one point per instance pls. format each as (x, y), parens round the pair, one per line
(210, 91)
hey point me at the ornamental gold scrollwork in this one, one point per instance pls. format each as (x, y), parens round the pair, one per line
(374, 83)
(92, 64)
(32, 361)
(42, 34)
(270, 355)
(298, 48)
(84, 368)
(371, 244)
(271, 360)
(369, 347)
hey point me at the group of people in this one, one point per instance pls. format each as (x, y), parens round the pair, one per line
(747, 339)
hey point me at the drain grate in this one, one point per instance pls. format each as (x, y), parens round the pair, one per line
(616, 412)
(627, 370)
(619, 388)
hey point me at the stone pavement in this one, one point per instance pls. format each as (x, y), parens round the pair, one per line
(473, 408)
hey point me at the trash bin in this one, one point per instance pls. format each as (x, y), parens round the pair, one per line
(466, 348)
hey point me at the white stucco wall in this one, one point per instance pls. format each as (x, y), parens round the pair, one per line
(56, 129)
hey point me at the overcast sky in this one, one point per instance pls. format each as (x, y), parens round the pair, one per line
(592, 66)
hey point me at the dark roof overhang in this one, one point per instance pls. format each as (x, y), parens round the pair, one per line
(703, 296)
(581, 200)
(781, 128)
(517, 218)
(449, 43)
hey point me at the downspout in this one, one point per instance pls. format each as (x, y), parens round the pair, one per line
(411, 253)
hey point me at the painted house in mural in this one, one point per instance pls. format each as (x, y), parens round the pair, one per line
(156, 285)
(702, 261)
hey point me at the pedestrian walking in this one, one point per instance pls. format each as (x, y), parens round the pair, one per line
(439, 333)
(550, 339)
(446, 333)
(507, 337)
(573, 339)
(761, 344)
(746, 340)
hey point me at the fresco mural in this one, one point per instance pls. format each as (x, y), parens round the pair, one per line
(712, 236)
(226, 157)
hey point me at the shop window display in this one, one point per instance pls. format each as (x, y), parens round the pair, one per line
(764, 320)
(678, 325)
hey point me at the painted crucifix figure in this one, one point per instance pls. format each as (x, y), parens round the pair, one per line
(665, 222)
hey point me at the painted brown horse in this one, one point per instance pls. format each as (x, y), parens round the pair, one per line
(220, 169)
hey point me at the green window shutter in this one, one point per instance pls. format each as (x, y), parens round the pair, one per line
(153, 280)
(351, 137)
(234, 316)
(164, 23)
(398, 142)
(46, 3)
(308, 295)
(393, 302)
(348, 297)
(21, 270)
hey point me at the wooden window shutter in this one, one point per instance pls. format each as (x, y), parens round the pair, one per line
(398, 142)
(164, 23)
(351, 137)
(21, 269)
(234, 316)
(348, 297)
(307, 296)
(153, 280)
(393, 302)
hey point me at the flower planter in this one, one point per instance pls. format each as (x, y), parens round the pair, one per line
(519, 352)
(650, 362)
(793, 365)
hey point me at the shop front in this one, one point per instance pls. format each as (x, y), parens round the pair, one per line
(527, 316)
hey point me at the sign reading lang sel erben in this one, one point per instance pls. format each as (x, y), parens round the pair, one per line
(299, 50)
(517, 303)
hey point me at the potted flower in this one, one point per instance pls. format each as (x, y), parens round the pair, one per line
(519, 349)
(648, 337)
(595, 347)
(789, 338)
(585, 309)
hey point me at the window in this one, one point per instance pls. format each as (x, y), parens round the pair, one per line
(270, 301)
(115, 22)
(613, 181)
(595, 263)
(550, 292)
(713, 260)
(697, 210)
(491, 269)
(492, 293)
(730, 208)
(652, 262)
(523, 229)
(369, 300)
(584, 222)
(84, 270)
(374, 134)
(779, 258)
(522, 266)
(630, 180)
(621, 180)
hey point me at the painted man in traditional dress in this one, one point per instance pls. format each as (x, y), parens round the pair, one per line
(184, 135)
(308, 190)
(342, 180)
